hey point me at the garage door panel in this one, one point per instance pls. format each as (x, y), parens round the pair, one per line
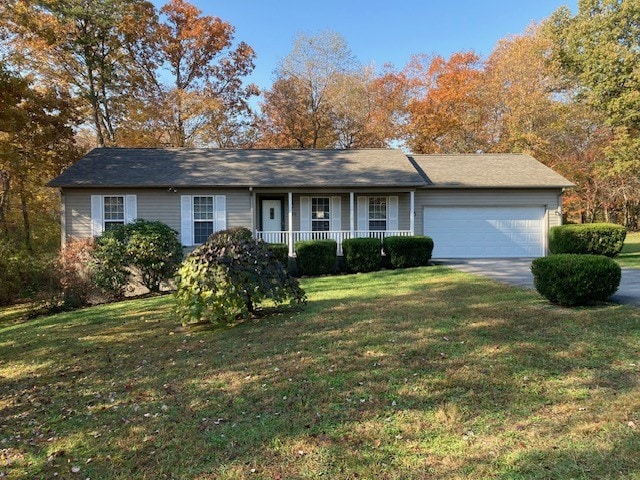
(476, 232)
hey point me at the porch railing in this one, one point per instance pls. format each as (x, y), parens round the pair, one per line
(338, 235)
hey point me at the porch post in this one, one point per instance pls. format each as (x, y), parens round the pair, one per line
(252, 203)
(412, 213)
(352, 222)
(290, 219)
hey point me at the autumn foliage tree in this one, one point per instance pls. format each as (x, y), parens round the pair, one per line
(194, 75)
(446, 115)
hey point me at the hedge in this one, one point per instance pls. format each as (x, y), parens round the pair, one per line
(573, 279)
(316, 257)
(404, 252)
(281, 251)
(590, 238)
(362, 254)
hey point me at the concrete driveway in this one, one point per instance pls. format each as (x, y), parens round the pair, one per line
(517, 271)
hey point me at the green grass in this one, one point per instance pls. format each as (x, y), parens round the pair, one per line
(630, 255)
(423, 373)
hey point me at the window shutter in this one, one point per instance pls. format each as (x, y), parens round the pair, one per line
(305, 214)
(335, 214)
(186, 220)
(392, 214)
(96, 215)
(363, 214)
(220, 216)
(130, 208)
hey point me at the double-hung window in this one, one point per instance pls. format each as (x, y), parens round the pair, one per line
(109, 211)
(377, 213)
(200, 216)
(320, 216)
(113, 207)
(203, 220)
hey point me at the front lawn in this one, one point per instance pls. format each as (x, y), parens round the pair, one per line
(422, 373)
(630, 255)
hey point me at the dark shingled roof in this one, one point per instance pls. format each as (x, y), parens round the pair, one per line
(486, 171)
(201, 167)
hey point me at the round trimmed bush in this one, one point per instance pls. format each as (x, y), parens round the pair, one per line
(570, 279)
(362, 254)
(588, 238)
(316, 257)
(405, 252)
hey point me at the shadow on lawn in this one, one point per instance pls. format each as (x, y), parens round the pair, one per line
(387, 385)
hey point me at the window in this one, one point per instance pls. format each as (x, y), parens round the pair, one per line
(113, 211)
(377, 213)
(202, 218)
(320, 221)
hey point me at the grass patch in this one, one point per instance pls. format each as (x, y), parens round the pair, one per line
(422, 373)
(630, 255)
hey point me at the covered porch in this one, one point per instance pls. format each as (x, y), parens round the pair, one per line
(292, 216)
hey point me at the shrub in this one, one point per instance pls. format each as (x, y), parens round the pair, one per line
(73, 272)
(316, 257)
(571, 279)
(227, 276)
(109, 266)
(150, 247)
(590, 238)
(23, 274)
(281, 251)
(403, 252)
(154, 249)
(362, 254)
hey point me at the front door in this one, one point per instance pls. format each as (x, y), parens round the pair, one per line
(271, 215)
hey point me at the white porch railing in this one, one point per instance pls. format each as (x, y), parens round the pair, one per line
(337, 235)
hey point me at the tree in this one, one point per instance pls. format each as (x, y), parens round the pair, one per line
(81, 45)
(297, 110)
(205, 100)
(36, 142)
(447, 116)
(598, 49)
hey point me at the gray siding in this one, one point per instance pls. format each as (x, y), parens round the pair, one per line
(489, 197)
(153, 204)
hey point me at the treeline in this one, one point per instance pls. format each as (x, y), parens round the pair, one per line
(77, 74)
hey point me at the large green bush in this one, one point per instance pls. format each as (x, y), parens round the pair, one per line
(362, 254)
(110, 265)
(572, 279)
(589, 238)
(23, 274)
(227, 276)
(316, 257)
(404, 252)
(150, 247)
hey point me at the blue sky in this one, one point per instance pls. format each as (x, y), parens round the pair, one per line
(378, 31)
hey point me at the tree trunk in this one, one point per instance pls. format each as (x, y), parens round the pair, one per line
(25, 218)
(5, 183)
(95, 105)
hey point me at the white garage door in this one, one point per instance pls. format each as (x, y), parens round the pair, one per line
(485, 232)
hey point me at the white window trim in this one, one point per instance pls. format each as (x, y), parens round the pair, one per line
(386, 214)
(195, 220)
(327, 220)
(188, 220)
(98, 221)
(363, 220)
